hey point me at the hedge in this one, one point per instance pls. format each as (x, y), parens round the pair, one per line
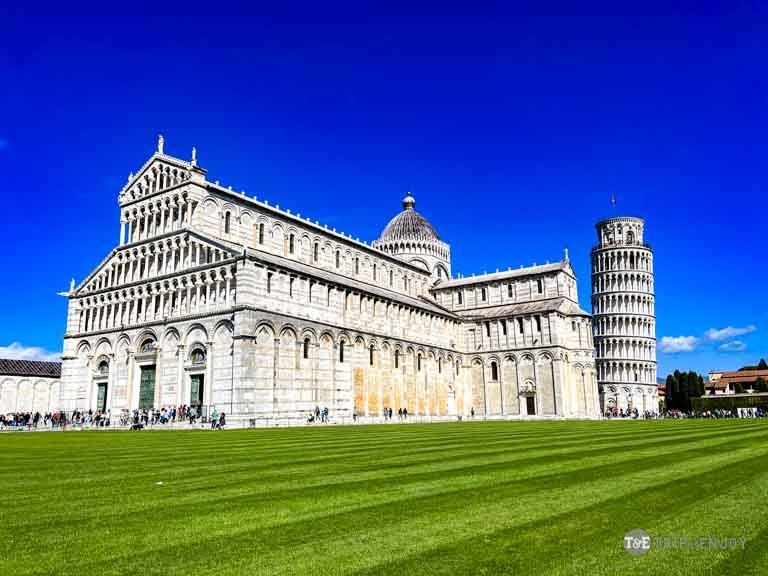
(729, 402)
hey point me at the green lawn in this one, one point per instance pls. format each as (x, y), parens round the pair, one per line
(476, 498)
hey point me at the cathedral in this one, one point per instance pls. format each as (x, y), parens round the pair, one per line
(217, 299)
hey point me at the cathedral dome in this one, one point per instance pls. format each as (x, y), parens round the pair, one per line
(408, 225)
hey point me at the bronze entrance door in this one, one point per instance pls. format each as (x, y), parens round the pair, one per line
(147, 388)
(101, 397)
(196, 390)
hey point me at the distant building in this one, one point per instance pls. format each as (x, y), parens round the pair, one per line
(29, 386)
(737, 382)
(624, 316)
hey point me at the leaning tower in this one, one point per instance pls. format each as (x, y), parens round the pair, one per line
(624, 319)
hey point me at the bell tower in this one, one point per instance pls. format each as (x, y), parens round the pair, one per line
(624, 316)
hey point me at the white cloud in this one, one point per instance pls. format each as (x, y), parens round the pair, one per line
(678, 343)
(733, 346)
(728, 332)
(17, 351)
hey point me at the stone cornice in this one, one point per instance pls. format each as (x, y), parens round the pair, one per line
(162, 322)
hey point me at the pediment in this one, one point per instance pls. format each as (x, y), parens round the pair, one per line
(110, 273)
(159, 173)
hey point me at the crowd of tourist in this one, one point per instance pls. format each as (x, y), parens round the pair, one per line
(631, 413)
(135, 420)
(158, 417)
(402, 414)
(33, 420)
(318, 415)
(148, 418)
(759, 412)
(675, 414)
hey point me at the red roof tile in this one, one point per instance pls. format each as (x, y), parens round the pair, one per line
(30, 368)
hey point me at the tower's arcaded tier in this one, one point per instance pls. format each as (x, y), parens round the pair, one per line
(624, 317)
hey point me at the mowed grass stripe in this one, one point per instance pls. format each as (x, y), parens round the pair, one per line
(301, 503)
(538, 547)
(258, 501)
(200, 472)
(372, 479)
(357, 533)
(388, 456)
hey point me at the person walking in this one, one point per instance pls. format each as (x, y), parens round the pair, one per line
(214, 418)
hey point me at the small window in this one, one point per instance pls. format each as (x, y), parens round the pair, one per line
(227, 222)
(147, 345)
(494, 372)
(290, 287)
(504, 327)
(341, 352)
(483, 294)
(306, 348)
(291, 243)
(338, 259)
(197, 357)
(370, 355)
(261, 233)
(418, 363)
(488, 329)
(316, 252)
(573, 326)
(511, 290)
(357, 265)
(538, 323)
(461, 297)
(374, 272)
(458, 366)
(391, 278)
(520, 325)
(104, 368)
(440, 365)
(540, 286)
(269, 282)
(397, 358)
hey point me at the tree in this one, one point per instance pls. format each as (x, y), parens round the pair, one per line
(681, 387)
(760, 385)
(670, 395)
(762, 365)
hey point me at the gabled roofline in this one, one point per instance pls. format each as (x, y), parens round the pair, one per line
(200, 236)
(178, 162)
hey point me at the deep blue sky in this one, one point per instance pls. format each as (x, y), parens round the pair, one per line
(512, 123)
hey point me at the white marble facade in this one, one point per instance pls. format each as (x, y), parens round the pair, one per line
(28, 393)
(216, 298)
(624, 316)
